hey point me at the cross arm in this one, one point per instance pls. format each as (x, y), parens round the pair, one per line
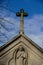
(18, 14)
(25, 14)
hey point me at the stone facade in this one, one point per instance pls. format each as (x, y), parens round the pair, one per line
(21, 51)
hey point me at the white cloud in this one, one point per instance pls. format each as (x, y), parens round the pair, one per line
(38, 39)
(34, 24)
(33, 29)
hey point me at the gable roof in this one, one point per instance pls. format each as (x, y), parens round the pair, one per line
(18, 36)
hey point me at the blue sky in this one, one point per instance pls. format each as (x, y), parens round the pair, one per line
(33, 24)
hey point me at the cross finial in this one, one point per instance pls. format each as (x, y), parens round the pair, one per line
(22, 14)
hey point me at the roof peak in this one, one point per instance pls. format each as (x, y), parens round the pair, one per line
(17, 37)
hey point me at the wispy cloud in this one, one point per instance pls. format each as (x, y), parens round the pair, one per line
(34, 29)
(9, 25)
(34, 25)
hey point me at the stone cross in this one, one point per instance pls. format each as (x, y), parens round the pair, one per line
(22, 14)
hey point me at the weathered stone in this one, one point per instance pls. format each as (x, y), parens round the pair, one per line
(21, 50)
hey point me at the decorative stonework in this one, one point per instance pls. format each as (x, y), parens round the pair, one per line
(20, 57)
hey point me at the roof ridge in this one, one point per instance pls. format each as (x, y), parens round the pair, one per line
(16, 37)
